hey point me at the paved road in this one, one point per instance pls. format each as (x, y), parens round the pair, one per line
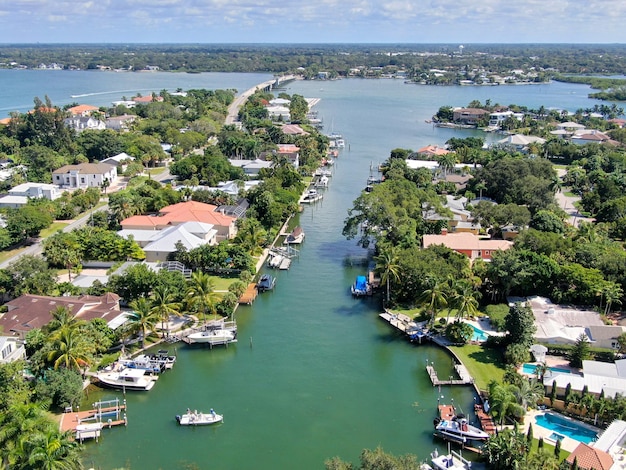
(567, 203)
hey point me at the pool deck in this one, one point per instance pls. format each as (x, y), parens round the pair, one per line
(567, 443)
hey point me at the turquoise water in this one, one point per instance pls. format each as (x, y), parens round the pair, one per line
(532, 369)
(479, 335)
(316, 373)
(566, 427)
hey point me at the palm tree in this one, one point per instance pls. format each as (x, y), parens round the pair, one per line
(613, 294)
(435, 297)
(62, 319)
(501, 400)
(387, 267)
(201, 293)
(465, 300)
(16, 425)
(53, 450)
(163, 304)
(142, 318)
(529, 392)
(70, 350)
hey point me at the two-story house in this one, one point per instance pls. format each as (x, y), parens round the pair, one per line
(84, 175)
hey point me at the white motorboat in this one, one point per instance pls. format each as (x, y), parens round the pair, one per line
(145, 363)
(451, 460)
(195, 418)
(212, 337)
(126, 379)
(295, 237)
(459, 430)
(311, 196)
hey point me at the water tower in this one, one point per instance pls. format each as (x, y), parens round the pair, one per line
(461, 47)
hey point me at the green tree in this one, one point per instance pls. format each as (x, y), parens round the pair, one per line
(201, 295)
(506, 450)
(520, 324)
(581, 351)
(164, 305)
(69, 350)
(388, 268)
(63, 249)
(142, 319)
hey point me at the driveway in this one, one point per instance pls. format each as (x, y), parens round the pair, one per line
(567, 204)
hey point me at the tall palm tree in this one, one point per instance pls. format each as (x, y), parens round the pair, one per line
(435, 297)
(142, 319)
(465, 300)
(387, 267)
(501, 400)
(529, 392)
(201, 293)
(163, 304)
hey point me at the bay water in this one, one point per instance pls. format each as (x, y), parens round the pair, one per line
(315, 373)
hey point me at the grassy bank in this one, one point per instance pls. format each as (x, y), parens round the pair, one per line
(483, 364)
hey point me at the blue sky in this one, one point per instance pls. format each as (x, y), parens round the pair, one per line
(312, 21)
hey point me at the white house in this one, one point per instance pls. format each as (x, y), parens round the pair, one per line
(120, 123)
(120, 160)
(81, 123)
(20, 194)
(11, 349)
(495, 119)
(84, 175)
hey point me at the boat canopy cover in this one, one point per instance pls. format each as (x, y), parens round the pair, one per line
(361, 283)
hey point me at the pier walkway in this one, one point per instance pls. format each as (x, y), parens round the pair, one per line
(464, 376)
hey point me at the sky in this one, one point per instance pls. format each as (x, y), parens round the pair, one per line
(312, 21)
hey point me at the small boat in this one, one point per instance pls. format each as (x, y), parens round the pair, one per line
(126, 379)
(296, 236)
(451, 460)
(212, 337)
(275, 261)
(195, 418)
(311, 196)
(145, 363)
(361, 287)
(322, 182)
(163, 357)
(266, 282)
(459, 430)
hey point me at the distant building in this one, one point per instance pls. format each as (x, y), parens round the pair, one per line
(469, 116)
(11, 349)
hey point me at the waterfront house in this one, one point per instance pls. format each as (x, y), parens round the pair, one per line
(467, 244)
(519, 142)
(159, 244)
(496, 119)
(84, 175)
(11, 349)
(597, 377)
(190, 211)
(468, 116)
(28, 312)
(432, 151)
(293, 129)
(613, 441)
(590, 458)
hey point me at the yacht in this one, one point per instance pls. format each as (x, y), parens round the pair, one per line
(124, 378)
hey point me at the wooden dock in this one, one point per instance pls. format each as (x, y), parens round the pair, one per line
(486, 421)
(249, 295)
(96, 419)
(464, 377)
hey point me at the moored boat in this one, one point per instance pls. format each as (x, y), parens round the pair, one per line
(361, 287)
(212, 337)
(195, 418)
(311, 196)
(266, 282)
(459, 430)
(451, 460)
(126, 379)
(296, 236)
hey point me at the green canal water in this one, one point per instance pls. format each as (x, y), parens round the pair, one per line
(315, 373)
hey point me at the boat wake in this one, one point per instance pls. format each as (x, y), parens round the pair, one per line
(83, 95)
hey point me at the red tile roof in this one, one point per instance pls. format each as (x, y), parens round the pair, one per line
(590, 458)
(82, 108)
(176, 214)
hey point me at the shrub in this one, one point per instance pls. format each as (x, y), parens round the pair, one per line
(516, 354)
(497, 314)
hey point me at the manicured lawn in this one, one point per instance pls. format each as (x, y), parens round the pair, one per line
(5, 255)
(222, 283)
(548, 448)
(483, 364)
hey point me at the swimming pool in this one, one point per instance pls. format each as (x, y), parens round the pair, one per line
(567, 427)
(531, 369)
(479, 335)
